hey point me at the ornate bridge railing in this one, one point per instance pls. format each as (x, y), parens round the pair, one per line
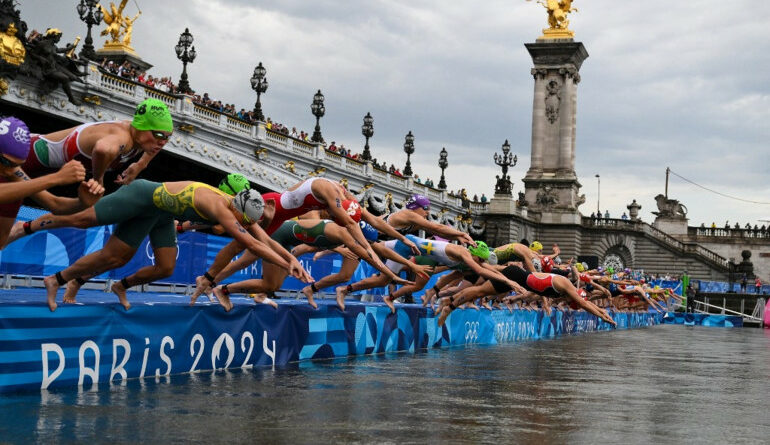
(209, 137)
(694, 249)
(728, 233)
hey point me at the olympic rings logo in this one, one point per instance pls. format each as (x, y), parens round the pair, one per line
(471, 332)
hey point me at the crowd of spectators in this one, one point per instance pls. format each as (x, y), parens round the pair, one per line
(165, 84)
(135, 74)
(737, 225)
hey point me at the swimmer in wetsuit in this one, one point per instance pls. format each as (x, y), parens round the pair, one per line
(548, 285)
(145, 207)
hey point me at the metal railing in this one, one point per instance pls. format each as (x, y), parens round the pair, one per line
(756, 316)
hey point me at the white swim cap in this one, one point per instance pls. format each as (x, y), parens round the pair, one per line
(250, 203)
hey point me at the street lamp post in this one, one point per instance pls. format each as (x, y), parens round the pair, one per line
(259, 84)
(598, 195)
(408, 149)
(87, 14)
(443, 164)
(504, 186)
(186, 54)
(318, 109)
(367, 129)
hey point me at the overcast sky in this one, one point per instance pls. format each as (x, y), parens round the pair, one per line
(676, 84)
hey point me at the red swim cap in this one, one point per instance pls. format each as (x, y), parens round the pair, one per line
(353, 209)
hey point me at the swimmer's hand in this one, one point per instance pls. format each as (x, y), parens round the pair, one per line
(129, 174)
(89, 192)
(71, 172)
(466, 239)
(296, 270)
(412, 246)
(424, 270)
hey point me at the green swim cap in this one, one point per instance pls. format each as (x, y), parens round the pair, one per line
(152, 114)
(481, 250)
(234, 183)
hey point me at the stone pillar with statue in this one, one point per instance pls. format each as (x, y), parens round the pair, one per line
(119, 32)
(551, 184)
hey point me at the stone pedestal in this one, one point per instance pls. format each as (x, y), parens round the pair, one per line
(676, 227)
(551, 185)
(121, 53)
(500, 225)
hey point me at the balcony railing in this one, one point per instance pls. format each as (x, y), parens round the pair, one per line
(718, 232)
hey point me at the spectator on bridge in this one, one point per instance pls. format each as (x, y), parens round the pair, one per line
(727, 224)
(593, 215)
(475, 198)
(417, 179)
(757, 285)
(713, 225)
(624, 217)
(483, 198)
(333, 146)
(748, 226)
(606, 214)
(294, 132)
(737, 226)
(392, 169)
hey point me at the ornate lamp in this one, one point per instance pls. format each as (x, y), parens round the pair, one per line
(318, 109)
(87, 14)
(443, 164)
(408, 149)
(185, 54)
(504, 185)
(259, 84)
(367, 129)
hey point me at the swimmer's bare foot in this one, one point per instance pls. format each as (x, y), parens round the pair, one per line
(223, 299)
(445, 311)
(485, 305)
(17, 232)
(388, 300)
(309, 294)
(71, 291)
(201, 287)
(472, 305)
(341, 292)
(118, 289)
(547, 305)
(264, 299)
(51, 287)
(428, 297)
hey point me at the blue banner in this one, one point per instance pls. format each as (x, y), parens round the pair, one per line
(692, 319)
(93, 343)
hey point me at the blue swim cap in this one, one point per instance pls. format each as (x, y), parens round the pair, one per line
(370, 233)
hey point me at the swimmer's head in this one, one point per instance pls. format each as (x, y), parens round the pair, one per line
(234, 183)
(14, 141)
(480, 250)
(492, 258)
(250, 204)
(370, 233)
(579, 267)
(536, 246)
(610, 270)
(152, 115)
(418, 202)
(352, 208)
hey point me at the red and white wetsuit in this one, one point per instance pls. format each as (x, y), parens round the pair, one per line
(46, 155)
(292, 203)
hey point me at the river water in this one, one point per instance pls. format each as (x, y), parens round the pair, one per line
(665, 384)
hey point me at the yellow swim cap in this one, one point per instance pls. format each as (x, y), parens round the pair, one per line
(536, 246)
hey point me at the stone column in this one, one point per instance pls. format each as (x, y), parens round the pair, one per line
(538, 123)
(551, 185)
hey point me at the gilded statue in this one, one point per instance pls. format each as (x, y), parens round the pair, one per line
(557, 18)
(11, 48)
(119, 27)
